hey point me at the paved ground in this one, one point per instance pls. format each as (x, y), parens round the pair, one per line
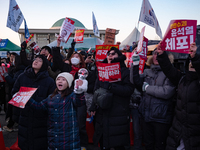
(11, 137)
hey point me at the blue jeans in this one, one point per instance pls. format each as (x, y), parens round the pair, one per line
(137, 131)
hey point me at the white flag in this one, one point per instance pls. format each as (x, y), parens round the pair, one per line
(15, 16)
(148, 16)
(95, 28)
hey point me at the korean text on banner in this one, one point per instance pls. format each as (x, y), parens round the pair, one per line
(109, 36)
(109, 72)
(101, 51)
(66, 29)
(179, 35)
(3, 70)
(143, 53)
(147, 15)
(139, 47)
(79, 35)
(141, 65)
(21, 98)
(35, 47)
(95, 27)
(15, 16)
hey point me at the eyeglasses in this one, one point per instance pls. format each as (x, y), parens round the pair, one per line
(112, 54)
(38, 60)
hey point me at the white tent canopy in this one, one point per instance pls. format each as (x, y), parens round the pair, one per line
(133, 37)
(88, 42)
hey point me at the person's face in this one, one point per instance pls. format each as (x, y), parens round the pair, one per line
(127, 47)
(155, 62)
(111, 55)
(37, 63)
(61, 83)
(44, 52)
(8, 55)
(63, 33)
(12, 58)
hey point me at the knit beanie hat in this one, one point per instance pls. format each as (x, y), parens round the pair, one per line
(44, 64)
(67, 76)
(116, 51)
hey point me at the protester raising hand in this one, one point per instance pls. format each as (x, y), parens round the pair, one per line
(159, 50)
(58, 41)
(193, 49)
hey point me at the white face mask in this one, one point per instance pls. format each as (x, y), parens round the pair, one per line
(75, 61)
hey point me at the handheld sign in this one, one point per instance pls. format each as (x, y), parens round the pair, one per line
(66, 29)
(79, 35)
(109, 36)
(35, 47)
(179, 35)
(21, 98)
(101, 51)
(3, 70)
(109, 72)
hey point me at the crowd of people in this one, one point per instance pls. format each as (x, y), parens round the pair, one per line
(163, 102)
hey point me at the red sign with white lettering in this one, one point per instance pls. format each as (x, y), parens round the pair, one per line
(109, 72)
(3, 70)
(179, 35)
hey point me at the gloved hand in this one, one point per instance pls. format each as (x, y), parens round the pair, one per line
(5, 74)
(78, 89)
(144, 86)
(136, 59)
(23, 45)
(73, 44)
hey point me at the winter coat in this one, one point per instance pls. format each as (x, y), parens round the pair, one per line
(186, 122)
(32, 132)
(113, 124)
(63, 131)
(157, 101)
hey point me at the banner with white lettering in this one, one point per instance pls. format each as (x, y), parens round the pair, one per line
(79, 35)
(179, 35)
(3, 69)
(109, 72)
(21, 98)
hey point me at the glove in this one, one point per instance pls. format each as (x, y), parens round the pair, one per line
(5, 74)
(73, 44)
(144, 86)
(80, 89)
(136, 59)
(23, 45)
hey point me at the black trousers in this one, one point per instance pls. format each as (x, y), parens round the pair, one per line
(155, 135)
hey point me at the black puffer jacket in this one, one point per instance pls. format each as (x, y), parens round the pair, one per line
(186, 122)
(113, 124)
(32, 133)
(157, 101)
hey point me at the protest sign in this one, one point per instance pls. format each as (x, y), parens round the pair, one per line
(143, 53)
(79, 35)
(109, 36)
(139, 47)
(128, 60)
(141, 65)
(20, 98)
(179, 35)
(3, 70)
(66, 29)
(35, 47)
(109, 72)
(101, 51)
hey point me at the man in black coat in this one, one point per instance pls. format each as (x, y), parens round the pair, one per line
(112, 125)
(32, 133)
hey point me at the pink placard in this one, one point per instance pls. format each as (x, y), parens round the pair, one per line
(179, 35)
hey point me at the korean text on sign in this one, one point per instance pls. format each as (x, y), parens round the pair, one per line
(180, 34)
(109, 72)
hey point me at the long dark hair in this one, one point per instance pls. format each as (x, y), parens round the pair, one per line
(64, 93)
(82, 61)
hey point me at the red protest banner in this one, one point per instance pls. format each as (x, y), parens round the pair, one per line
(109, 72)
(128, 60)
(79, 35)
(179, 35)
(21, 98)
(143, 53)
(66, 29)
(101, 51)
(3, 70)
(141, 65)
(139, 47)
(35, 47)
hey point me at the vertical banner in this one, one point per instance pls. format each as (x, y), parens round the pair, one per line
(21, 98)
(109, 72)
(139, 47)
(101, 51)
(109, 36)
(95, 28)
(141, 65)
(66, 29)
(143, 53)
(179, 35)
(3, 70)
(79, 35)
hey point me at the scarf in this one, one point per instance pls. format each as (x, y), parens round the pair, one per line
(74, 70)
